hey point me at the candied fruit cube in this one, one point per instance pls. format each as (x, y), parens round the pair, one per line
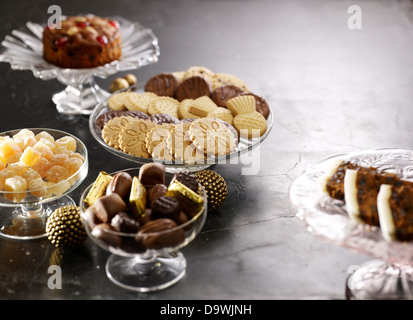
(30, 157)
(8, 148)
(60, 158)
(68, 142)
(42, 166)
(31, 174)
(2, 165)
(57, 173)
(25, 138)
(44, 149)
(37, 187)
(45, 135)
(73, 164)
(16, 188)
(15, 158)
(4, 174)
(18, 168)
(48, 143)
(61, 150)
(76, 155)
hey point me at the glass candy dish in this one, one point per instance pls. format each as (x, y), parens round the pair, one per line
(23, 49)
(24, 213)
(135, 266)
(244, 145)
(389, 277)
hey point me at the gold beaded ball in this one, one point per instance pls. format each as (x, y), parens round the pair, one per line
(65, 228)
(215, 188)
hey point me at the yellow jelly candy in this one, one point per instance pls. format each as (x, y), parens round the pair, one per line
(44, 150)
(57, 173)
(73, 165)
(60, 158)
(37, 187)
(68, 142)
(30, 157)
(48, 143)
(44, 135)
(61, 150)
(2, 165)
(42, 166)
(25, 138)
(4, 174)
(16, 189)
(30, 175)
(18, 168)
(8, 148)
(76, 155)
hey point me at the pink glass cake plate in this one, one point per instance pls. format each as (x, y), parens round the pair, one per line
(390, 276)
(23, 49)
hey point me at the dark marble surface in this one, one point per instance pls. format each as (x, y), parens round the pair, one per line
(332, 90)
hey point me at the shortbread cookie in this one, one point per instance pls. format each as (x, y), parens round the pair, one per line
(117, 101)
(212, 137)
(250, 125)
(223, 114)
(137, 101)
(164, 105)
(183, 112)
(112, 129)
(156, 142)
(198, 71)
(132, 138)
(202, 106)
(241, 104)
(219, 79)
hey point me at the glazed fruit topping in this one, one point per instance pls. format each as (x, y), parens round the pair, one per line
(102, 39)
(59, 42)
(114, 24)
(83, 24)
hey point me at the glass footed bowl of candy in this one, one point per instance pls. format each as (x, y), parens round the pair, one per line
(39, 167)
(143, 216)
(24, 50)
(363, 201)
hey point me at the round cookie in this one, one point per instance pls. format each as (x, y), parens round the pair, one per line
(250, 125)
(117, 101)
(223, 93)
(108, 115)
(156, 142)
(137, 101)
(164, 84)
(212, 137)
(164, 105)
(183, 112)
(192, 88)
(112, 129)
(132, 138)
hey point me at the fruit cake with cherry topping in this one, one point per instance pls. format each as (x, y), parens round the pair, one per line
(82, 42)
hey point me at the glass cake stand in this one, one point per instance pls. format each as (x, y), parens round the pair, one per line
(135, 267)
(244, 145)
(23, 49)
(24, 214)
(391, 275)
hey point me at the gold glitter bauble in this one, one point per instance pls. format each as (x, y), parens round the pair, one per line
(215, 188)
(64, 227)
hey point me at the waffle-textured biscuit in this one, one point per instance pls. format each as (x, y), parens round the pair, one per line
(212, 137)
(136, 101)
(223, 114)
(117, 101)
(241, 104)
(164, 105)
(202, 106)
(250, 125)
(183, 112)
(112, 129)
(132, 138)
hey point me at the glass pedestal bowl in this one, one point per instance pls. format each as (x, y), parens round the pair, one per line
(390, 276)
(145, 262)
(23, 49)
(24, 214)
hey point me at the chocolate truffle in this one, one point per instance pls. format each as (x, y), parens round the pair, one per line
(123, 222)
(121, 184)
(151, 174)
(108, 206)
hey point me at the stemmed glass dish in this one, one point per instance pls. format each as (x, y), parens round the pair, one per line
(389, 277)
(23, 49)
(145, 262)
(24, 212)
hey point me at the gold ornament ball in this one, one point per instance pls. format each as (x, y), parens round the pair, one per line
(131, 78)
(65, 228)
(215, 188)
(118, 84)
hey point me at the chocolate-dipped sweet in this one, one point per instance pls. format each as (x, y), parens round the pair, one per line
(151, 174)
(164, 84)
(123, 222)
(187, 178)
(225, 92)
(105, 117)
(157, 191)
(161, 118)
(103, 232)
(260, 104)
(121, 184)
(108, 206)
(162, 237)
(166, 207)
(192, 88)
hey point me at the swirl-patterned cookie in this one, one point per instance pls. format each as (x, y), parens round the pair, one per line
(132, 138)
(112, 129)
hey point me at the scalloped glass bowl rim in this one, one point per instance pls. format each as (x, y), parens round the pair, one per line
(250, 143)
(77, 174)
